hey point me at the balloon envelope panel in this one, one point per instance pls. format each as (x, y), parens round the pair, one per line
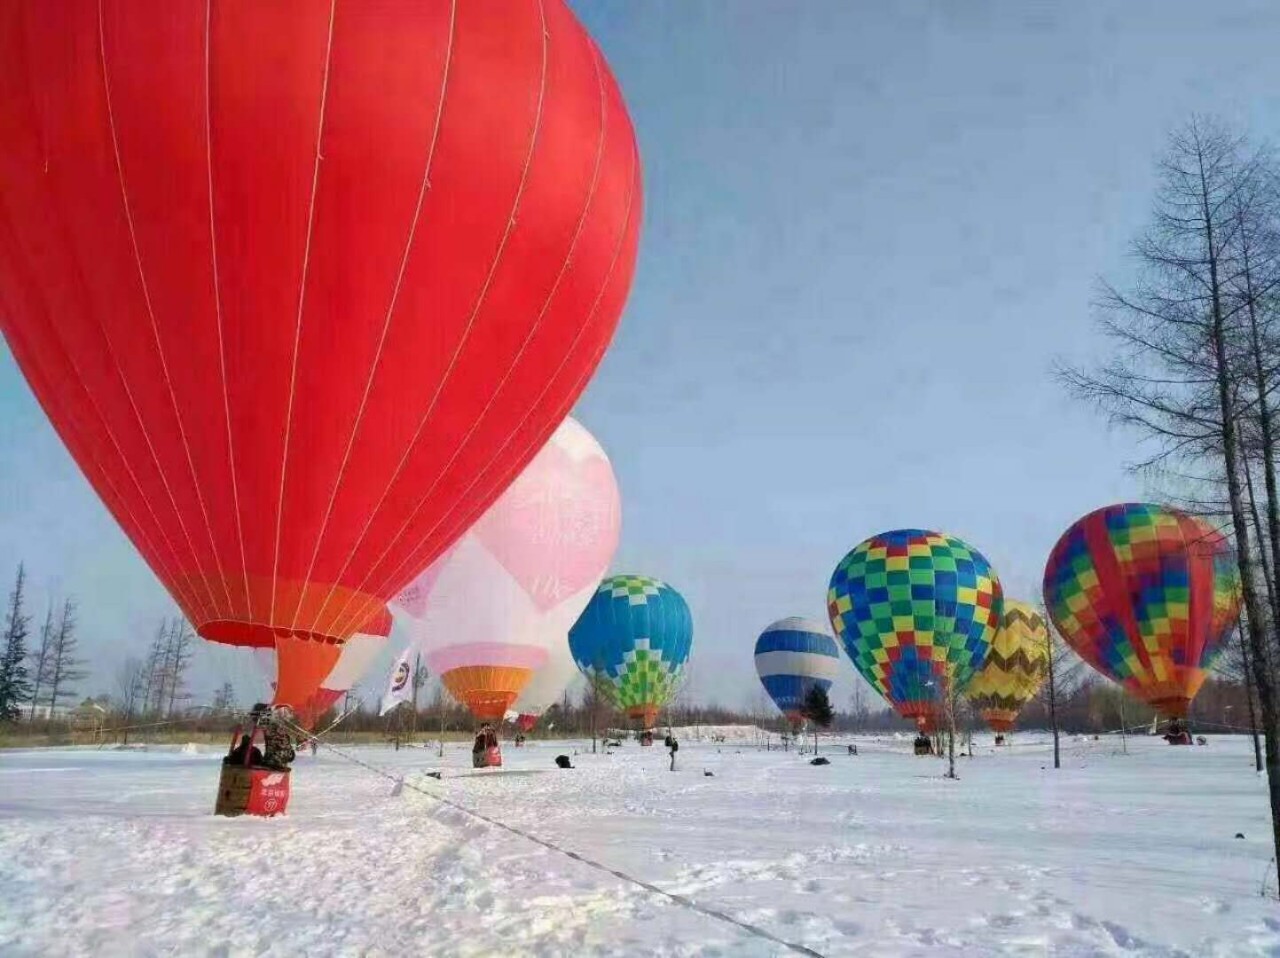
(1147, 595)
(915, 609)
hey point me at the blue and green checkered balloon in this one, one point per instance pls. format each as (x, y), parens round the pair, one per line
(633, 640)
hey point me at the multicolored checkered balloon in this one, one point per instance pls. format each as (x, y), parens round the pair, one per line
(915, 610)
(1147, 595)
(633, 639)
(1016, 666)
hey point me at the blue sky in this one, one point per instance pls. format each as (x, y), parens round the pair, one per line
(869, 231)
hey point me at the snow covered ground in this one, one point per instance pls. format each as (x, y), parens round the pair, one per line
(116, 853)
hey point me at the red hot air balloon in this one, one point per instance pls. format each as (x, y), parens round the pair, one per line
(303, 287)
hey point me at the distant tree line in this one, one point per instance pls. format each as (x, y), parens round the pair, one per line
(1087, 704)
(41, 671)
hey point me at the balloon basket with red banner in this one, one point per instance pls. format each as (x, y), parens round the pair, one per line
(490, 757)
(245, 789)
(646, 737)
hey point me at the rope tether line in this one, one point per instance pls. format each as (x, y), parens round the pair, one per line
(681, 900)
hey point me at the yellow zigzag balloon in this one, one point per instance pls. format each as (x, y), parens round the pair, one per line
(1015, 667)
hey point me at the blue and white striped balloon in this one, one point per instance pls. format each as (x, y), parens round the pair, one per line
(792, 656)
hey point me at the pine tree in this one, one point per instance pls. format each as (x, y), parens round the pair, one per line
(817, 709)
(15, 681)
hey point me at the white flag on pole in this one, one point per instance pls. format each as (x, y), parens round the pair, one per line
(400, 688)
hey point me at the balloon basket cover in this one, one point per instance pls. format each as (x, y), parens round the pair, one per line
(487, 758)
(263, 792)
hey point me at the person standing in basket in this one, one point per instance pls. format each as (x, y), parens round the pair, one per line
(278, 752)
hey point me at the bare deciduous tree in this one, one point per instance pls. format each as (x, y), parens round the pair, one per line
(1182, 327)
(40, 659)
(63, 667)
(178, 654)
(130, 692)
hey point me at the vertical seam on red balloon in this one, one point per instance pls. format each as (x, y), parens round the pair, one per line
(583, 374)
(529, 337)
(302, 296)
(566, 406)
(391, 306)
(466, 332)
(187, 596)
(155, 332)
(128, 469)
(468, 517)
(133, 528)
(217, 302)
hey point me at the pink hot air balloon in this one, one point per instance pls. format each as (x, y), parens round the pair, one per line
(495, 610)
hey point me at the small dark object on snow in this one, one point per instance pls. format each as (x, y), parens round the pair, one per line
(435, 775)
(853, 749)
(1239, 834)
(708, 774)
(1201, 740)
(562, 761)
(819, 761)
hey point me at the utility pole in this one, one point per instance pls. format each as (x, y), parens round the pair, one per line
(419, 677)
(949, 690)
(1053, 689)
(1124, 732)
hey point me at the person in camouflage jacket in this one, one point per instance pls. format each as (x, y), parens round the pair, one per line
(278, 752)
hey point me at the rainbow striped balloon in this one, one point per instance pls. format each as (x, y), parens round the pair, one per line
(1147, 595)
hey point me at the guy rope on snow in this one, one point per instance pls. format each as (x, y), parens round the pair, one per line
(681, 900)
